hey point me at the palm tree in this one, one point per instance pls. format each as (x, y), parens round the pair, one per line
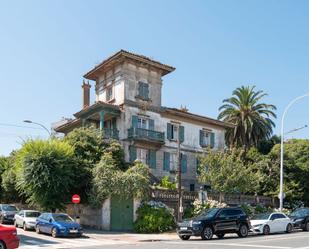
(252, 120)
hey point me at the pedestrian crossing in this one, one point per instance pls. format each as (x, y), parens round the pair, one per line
(67, 243)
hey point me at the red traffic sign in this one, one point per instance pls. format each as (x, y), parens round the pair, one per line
(76, 199)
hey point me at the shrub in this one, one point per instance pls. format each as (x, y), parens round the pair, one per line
(199, 206)
(166, 183)
(154, 217)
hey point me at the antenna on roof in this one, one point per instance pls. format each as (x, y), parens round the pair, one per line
(184, 108)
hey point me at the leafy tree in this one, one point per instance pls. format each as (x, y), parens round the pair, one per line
(8, 191)
(265, 146)
(109, 179)
(252, 120)
(45, 172)
(227, 172)
(296, 169)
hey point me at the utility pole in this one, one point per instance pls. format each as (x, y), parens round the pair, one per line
(180, 208)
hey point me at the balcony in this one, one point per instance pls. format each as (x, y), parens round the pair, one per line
(146, 135)
(110, 133)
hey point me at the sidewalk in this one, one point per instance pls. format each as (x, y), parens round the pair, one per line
(128, 237)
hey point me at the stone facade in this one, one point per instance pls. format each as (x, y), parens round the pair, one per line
(131, 85)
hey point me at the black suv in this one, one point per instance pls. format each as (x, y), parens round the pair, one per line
(218, 221)
(300, 218)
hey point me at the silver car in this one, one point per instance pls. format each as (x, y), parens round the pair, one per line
(26, 219)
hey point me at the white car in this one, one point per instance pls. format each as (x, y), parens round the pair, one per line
(26, 219)
(271, 223)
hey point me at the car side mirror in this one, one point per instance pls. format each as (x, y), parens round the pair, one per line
(50, 220)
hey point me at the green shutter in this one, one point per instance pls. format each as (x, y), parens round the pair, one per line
(114, 126)
(166, 161)
(181, 134)
(140, 89)
(151, 124)
(183, 163)
(134, 121)
(152, 160)
(169, 131)
(201, 138)
(212, 139)
(132, 152)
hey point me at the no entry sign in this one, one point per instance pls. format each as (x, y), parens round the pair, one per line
(76, 199)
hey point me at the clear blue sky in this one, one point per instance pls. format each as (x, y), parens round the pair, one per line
(216, 46)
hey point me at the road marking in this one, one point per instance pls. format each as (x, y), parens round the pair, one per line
(234, 244)
(268, 238)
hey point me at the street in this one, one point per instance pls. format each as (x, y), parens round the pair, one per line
(297, 240)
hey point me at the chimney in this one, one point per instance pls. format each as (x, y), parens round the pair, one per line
(86, 94)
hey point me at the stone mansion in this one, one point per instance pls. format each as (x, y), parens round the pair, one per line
(128, 89)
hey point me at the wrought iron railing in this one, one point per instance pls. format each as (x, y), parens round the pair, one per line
(110, 133)
(141, 133)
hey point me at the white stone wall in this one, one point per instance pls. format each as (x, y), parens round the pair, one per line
(106, 214)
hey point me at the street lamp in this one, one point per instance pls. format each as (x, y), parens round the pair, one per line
(31, 122)
(281, 150)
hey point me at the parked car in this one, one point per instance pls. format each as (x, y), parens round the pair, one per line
(271, 223)
(57, 225)
(26, 219)
(8, 237)
(7, 213)
(218, 221)
(300, 218)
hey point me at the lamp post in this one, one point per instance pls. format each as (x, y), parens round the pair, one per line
(281, 148)
(44, 127)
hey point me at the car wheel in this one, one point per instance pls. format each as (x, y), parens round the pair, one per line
(306, 228)
(37, 229)
(54, 232)
(243, 231)
(266, 230)
(207, 233)
(220, 235)
(2, 245)
(25, 226)
(184, 237)
(289, 228)
(15, 223)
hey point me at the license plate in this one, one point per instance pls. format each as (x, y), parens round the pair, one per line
(73, 231)
(183, 228)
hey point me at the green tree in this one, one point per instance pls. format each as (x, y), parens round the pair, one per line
(252, 119)
(296, 169)
(227, 172)
(45, 172)
(265, 146)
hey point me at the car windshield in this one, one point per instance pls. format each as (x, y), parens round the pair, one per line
(9, 208)
(209, 213)
(299, 213)
(32, 214)
(260, 217)
(62, 218)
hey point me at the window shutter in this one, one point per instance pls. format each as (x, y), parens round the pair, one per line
(132, 152)
(166, 161)
(212, 140)
(201, 138)
(134, 121)
(183, 163)
(146, 91)
(140, 89)
(169, 131)
(114, 126)
(151, 124)
(181, 134)
(152, 161)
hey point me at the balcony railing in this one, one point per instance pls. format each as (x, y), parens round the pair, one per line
(144, 134)
(110, 133)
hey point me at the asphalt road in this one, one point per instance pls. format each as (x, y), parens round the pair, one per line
(295, 240)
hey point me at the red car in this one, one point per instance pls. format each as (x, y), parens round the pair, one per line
(8, 237)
